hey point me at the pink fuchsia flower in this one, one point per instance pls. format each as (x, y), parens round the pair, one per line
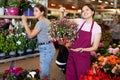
(101, 44)
(110, 50)
(113, 50)
(116, 50)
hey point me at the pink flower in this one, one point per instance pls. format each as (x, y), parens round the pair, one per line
(101, 44)
(115, 50)
(110, 50)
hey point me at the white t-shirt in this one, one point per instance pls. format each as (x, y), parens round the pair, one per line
(87, 26)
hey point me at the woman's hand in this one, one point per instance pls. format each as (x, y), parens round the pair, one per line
(24, 18)
(77, 49)
(68, 44)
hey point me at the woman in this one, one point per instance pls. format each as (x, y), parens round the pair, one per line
(89, 34)
(115, 30)
(45, 45)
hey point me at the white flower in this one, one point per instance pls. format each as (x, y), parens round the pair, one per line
(28, 76)
(18, 42)
(32, 73)
(23, 33)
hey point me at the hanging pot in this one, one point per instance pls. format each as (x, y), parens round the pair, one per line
(12, 11)
(12, 53)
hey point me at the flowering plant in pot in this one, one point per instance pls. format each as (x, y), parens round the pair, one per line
(106, 62)
(12, 7)
(18, 73)
(12, 45)
(26, 8)
(4, 42)
(31, 44)
(20, 40)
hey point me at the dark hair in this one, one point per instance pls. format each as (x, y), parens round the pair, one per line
(41, 8)
(91, 7)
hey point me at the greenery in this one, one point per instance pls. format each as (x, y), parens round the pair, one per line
(31, 44)
(4, 42)
(21, 42)
(2, 3)
(12, 43)
(24, 5)
(12, 3)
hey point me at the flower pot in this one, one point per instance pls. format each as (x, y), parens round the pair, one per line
(29, 50)
(2, 55)
(28, 12)
(2, 10)
(12, 11)
(20, 52)
(12, 53)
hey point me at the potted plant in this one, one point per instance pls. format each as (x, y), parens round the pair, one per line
(21, 44)
(12, 45)
(26, 8)
(2, 4)
(2, 39)
(12, 7)
(20, 40)
(31, 45)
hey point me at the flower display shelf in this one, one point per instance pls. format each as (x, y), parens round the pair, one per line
(19, 57)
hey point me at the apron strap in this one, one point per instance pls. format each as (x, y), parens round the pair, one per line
(92, 26)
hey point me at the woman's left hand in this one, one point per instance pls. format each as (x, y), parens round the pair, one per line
(77, 49)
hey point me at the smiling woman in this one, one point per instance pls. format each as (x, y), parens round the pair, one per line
(87, 40)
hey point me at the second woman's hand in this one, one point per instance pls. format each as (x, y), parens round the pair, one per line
(77, 49)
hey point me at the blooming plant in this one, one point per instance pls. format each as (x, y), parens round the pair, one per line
(18, 73)
(108, 61)
(63, 28)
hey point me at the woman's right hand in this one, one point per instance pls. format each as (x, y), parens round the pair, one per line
(24, 18)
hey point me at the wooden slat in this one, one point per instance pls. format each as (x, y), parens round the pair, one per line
(15, 17)
(18, 58)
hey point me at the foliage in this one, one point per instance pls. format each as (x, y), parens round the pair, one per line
(63, 28)
(12, 43)
(24, 5)
(2, 3)
(18, 73)
(4, 42)
(21, 42)
(12, 3)
(35, 1)
(31, 44)
(2, 39)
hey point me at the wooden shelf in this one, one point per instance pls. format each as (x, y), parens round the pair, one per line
(18, 58)
(15, 17)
